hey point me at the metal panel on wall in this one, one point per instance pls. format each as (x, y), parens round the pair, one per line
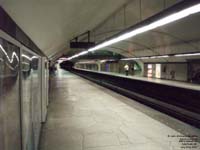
(31, 99)
(27, 121)
(36, 97)
(10, 130)
(194, 71)
(44, 81)
(21, 95)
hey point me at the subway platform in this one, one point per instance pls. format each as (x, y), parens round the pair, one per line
(85, 116)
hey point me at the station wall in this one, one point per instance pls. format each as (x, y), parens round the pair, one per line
(169, 71)
(135, 68)
(23, 101)
(179, 71)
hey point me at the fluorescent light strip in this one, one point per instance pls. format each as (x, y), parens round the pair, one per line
(184, 55)
(146, 57)
(163, 56)
(133, 58)
(77, 55)
(166, 20)
(156, 57)
(86, 62)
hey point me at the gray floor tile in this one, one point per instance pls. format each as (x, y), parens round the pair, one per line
(85, 116)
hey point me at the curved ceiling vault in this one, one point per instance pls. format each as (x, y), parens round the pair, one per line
(178, 37)
(52, 23)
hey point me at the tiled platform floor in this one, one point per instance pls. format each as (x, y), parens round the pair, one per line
(85, 116)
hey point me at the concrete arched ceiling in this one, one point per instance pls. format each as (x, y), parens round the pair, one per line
(182, 36)
(52, 23)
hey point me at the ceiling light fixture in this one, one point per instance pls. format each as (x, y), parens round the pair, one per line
(166, 20)
(146, 57)
(163, 56)
(135, 58)
(185, 55)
